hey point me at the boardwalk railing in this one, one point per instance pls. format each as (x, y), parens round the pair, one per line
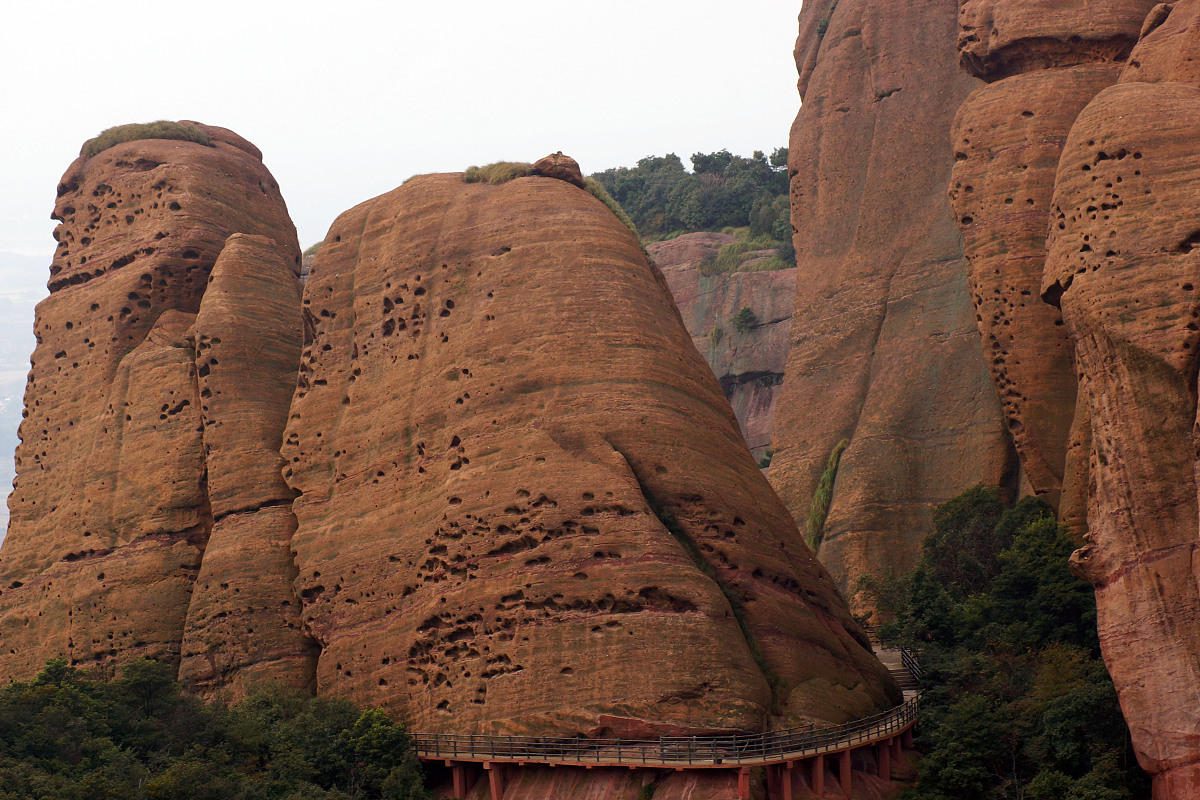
(747, 749)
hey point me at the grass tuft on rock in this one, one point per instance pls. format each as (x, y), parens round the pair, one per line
(823, 496)
(600, 193)
(498, 172)
(162, 129)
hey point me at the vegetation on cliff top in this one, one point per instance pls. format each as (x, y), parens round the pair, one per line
(68, 735)
(722, 191)
(162, 129)
(1018, 703)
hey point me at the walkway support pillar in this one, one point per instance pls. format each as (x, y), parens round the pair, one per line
(785, 772)
(818, 775)
(744, 783)
(844, 772)
(495, 779)
(895, 742)
(883, 756)
(459, 771)
(907, 739)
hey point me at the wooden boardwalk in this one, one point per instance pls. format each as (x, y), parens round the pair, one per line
(778, 751)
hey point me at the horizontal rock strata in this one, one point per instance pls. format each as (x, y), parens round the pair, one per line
(133, 447)
(524, 504)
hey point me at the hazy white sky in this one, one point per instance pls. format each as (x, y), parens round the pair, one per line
(348, 98)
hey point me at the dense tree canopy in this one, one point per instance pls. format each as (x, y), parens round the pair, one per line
(723, 190)
(68, 736)
(1018, 703)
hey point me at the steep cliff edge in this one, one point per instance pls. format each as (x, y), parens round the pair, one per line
(133, 451)
(884, 350)
(1099, 381)
(747, 354)
(1123, 264)
(524, 505)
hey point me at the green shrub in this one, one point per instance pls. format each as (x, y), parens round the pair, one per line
(743, 320)
(498, 172)
(600, 193)
(736, 256)
(715, 336)
(823, 496)
(71, 735)
(312, 251)
(162, 129)
(1018, 703)
(765, 461)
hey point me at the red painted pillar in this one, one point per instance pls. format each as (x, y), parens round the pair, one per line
(906, 739)
(818, 775)
(844, 772)
(785, 773)
(883, 756)
(460, 781)
(895, 743)
(495, 779)
(744, 783)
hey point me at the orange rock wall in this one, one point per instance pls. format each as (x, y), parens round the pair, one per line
(884, 349)
(1123, 264)
(748, 364)
(133, 450)
(1110, 171)
(566, 531)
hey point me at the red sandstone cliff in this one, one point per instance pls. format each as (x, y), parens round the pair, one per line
(524, 503)
(884, 350)
(140, 447)
(1110, 172)
(748, 363)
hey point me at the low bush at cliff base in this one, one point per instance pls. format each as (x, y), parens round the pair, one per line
(67, 735)
(1018, 703)
(163, 129)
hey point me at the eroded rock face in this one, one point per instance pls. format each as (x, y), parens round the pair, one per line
(131, 450)
(524, 504)
(1007, 140)
(748, 362)
(999, 38)
(1123, 263)
(884, 349)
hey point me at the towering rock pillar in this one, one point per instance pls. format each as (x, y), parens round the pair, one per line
(525, 506)
(884, 350)
(132, 453)
(1124, 264)
(1042, 68)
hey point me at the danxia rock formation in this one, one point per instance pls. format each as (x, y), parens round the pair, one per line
(524, 504)
(884, 349)
(154, 409)
(1099, 381)
(748, 361)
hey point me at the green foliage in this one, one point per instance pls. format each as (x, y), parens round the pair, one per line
(748, 253)
(744, 319)
(715, 335)
(664, 199)
(314, 249)
(162, 129)
(765, 461)
(823, 496)
(498, 172)
(600, 193)
(1018, 703)
(66, 735)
